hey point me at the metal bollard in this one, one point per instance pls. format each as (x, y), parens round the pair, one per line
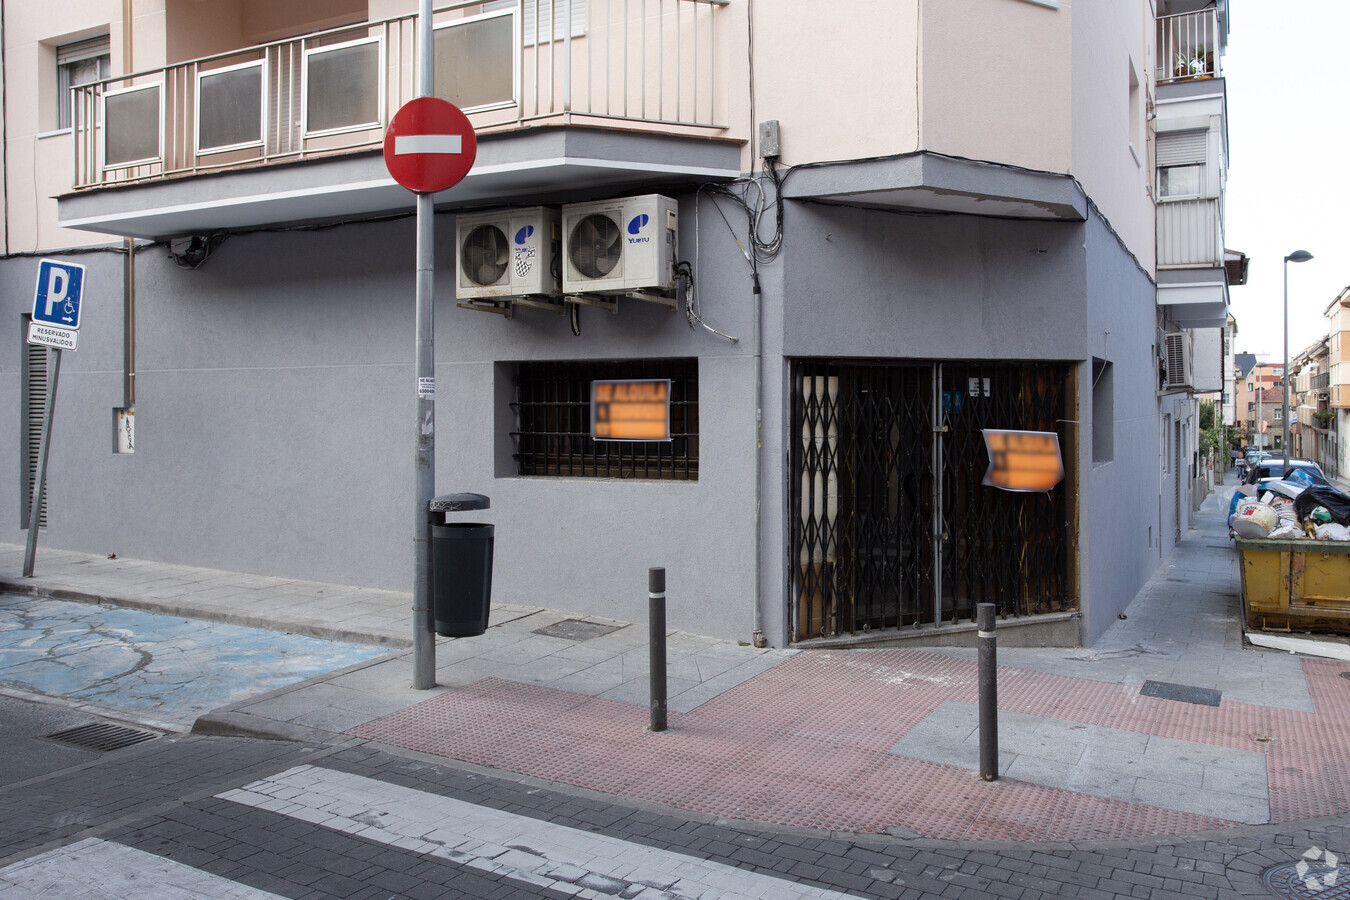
(988, 692)
(656, 614)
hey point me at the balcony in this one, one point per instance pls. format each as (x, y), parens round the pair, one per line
(1189, 45)
(566, 96)
(1191, 158)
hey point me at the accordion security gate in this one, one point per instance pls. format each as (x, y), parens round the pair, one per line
(891, 525)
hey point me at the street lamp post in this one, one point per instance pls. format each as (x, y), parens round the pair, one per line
(1297, 256)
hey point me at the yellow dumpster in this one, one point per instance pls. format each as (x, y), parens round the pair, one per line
(1296, 585)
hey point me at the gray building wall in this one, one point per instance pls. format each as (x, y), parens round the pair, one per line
(1122, 540)
(275, 402)
(275, 423)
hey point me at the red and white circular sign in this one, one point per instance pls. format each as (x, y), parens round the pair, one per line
(430, 145)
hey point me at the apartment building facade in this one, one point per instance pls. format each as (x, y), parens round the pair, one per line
(1337, 383)
(1311, 435)
(874, 241)
(1252, 396)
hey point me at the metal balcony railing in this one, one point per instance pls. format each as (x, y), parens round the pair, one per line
(1320, 382)
(1188, 46)
(644, 64)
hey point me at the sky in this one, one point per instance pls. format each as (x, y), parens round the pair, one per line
(1288, 178)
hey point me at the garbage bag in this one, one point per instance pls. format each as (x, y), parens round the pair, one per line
(1336, 502)
(1333, 532)
(1300, 476)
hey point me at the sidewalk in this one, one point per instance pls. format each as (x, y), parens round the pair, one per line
(1168, 725)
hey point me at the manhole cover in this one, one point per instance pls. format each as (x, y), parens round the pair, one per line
(1308, 878)
(101, 737)
(1165, 690)
(576, 629)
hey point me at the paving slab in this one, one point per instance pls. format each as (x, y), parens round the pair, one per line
(874, 741)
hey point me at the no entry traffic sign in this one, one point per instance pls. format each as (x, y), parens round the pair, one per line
(430, 145)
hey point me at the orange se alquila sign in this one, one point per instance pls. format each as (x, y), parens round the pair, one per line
(1023, 460)
(631, 410)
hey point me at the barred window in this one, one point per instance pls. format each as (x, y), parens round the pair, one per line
(553, 412)
(79, 63)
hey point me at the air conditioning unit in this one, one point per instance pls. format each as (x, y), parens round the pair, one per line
(1178, 360)
(507, 253)
(620, 246)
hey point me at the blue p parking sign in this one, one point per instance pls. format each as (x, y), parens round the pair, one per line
(57, 301)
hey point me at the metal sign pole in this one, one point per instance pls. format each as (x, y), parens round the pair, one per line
(40, 482)
(424, 641)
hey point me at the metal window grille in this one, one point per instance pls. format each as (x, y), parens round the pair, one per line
(34, 408)
(553, 412)
(1003, 547)
(891, 525)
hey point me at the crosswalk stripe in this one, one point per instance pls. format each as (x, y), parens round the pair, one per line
(101, 870)
(545, 854)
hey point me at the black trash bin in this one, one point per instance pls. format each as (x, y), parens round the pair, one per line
(461, 578)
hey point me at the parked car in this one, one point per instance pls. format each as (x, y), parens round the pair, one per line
(1272, 469)
(1254, 456)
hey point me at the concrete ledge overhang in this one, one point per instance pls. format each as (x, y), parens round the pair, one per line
(544, 165)
(1195, 298)
(931, 182)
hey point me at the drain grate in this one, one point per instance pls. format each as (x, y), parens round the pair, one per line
(101, 737)
(1307, 879)
(1165, 690)
(576, 629)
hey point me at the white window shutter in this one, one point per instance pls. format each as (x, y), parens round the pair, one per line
(531, 10)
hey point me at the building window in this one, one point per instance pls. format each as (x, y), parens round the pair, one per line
(1165, 451)
(1103, 411)
(553, 415)
(1181, 164)
(81, 62)
(1179, 181)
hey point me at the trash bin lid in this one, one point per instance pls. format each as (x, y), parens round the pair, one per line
(458, 502)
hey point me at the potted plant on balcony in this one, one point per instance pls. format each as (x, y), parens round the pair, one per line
(1194, 62)
(1323, 417)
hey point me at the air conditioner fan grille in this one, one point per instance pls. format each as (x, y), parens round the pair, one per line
(485, 255)
(595, 245)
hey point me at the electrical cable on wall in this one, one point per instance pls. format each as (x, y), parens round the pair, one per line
(684, 271)
(758, 205)
(750, 195)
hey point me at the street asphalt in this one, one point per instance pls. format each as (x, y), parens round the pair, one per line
(1171, 758)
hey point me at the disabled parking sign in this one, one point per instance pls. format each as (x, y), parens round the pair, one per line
(57, 301)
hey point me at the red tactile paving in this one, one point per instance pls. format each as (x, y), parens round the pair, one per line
(807, 743)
